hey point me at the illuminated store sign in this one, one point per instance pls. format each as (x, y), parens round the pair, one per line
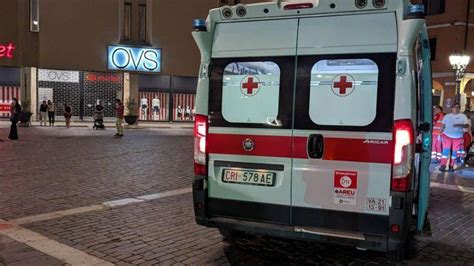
(6, 50)
(134, 58)
(58, 75)
(94, 77)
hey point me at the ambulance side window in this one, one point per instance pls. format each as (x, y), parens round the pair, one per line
(344, 92)
(251, 92)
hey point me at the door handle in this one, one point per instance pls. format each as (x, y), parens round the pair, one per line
(316, 146)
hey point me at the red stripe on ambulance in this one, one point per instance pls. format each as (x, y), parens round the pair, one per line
(335, 149)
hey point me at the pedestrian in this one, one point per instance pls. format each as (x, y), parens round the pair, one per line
(436, 137)
(119, 117)
(51, 113)
(467, 138)
(67, 114)
(452, 134)
(43, 113)
(14, 118)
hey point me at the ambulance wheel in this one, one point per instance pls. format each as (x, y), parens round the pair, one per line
(228, 233)
(405, 252)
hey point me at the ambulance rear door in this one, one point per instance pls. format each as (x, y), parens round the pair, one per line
(344, 104)
(250, 120)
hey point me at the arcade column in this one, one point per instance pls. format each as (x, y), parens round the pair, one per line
(130, 91)
(29, 89)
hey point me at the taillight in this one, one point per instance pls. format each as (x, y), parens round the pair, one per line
(403, 155)
(200, 145)
(298, 6)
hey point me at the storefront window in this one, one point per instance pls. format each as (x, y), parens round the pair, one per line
(154, 106)
(7, 93)
(184, 108)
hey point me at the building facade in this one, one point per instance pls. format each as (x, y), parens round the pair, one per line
(85, 51)
(451, 30)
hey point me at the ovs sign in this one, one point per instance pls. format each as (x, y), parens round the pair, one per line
(134, 58)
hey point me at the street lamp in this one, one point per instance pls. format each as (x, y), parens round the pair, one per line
(459, 63)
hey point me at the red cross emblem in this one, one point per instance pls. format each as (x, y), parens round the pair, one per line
(343, 85)
(250, 86)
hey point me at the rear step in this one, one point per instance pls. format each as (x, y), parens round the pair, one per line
(330, 232)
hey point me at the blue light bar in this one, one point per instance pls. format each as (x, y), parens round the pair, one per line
(199, 25)
(416, 9)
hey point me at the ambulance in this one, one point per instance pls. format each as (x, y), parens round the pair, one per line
(313, 122)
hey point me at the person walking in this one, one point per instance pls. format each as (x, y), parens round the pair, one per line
(436, 137)
(14, 118)
(452, 134)
(51, 113)
(119, 109)
(43, 113)
(67, 114)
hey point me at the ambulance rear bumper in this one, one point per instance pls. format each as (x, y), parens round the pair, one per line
(364, 241)
(383, 241)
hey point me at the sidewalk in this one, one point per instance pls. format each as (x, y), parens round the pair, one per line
(111, 124)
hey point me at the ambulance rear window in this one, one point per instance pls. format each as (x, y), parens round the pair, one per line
(251, 92)
(343, 92)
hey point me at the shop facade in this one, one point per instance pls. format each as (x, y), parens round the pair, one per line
(82, 90)
(167, 98)
(9, 88)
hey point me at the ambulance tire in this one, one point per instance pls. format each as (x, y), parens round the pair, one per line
(229, 234)
(405, 252)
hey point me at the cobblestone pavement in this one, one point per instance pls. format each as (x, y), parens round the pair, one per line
(14, 254)
(52, 169)
(58, 169)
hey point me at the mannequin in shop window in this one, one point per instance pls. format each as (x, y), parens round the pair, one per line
(179, 113)
(187, 113)
(156, 104)
(144, 106)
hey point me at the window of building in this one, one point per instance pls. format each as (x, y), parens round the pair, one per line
(433, 42)
(142, 25)
(34, 15)
(434, 7)
(127, 21)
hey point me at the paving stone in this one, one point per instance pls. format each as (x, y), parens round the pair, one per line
(93, 167)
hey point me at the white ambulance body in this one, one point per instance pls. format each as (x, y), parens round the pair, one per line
(306, 120)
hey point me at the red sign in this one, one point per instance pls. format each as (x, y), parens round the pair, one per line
(345, 179)
(345, 187)
(5, 107)
(6, 50)
(343, 85)
(103, 77)
(250, 86)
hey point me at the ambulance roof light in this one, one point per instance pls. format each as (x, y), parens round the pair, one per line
(415, 11)
(361, 3)
(378, 3)
(199, 25)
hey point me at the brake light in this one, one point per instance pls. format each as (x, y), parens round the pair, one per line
(403, 155)
(200, 145)
(298, 6)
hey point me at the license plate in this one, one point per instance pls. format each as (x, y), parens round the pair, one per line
(248, 177)
(376, 204)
